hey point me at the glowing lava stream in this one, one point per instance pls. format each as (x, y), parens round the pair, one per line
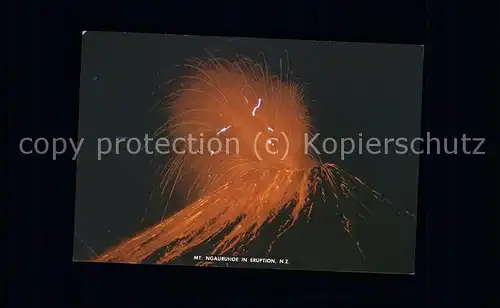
(245, 184)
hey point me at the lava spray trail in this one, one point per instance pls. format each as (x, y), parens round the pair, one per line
(244, 165)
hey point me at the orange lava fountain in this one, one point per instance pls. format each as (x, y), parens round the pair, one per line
(244, 162)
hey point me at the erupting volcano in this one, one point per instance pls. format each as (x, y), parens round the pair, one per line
(250, 163)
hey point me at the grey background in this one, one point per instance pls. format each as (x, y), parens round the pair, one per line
(352, 88)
